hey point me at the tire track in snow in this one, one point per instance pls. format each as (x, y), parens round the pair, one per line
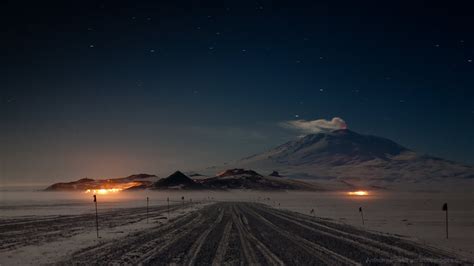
(249, 254)
(270, 257)
(223, 245)
(376, 245)
(352, 242)
(196, 247)
(328, 256)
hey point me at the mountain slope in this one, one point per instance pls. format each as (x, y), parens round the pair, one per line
(351, 157)
(338, 147)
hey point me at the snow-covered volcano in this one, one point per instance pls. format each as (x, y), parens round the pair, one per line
(335, 148)
(354, 158)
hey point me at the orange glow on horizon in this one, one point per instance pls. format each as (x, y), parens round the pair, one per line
(358, 193)
(103, 191)
(111, 189)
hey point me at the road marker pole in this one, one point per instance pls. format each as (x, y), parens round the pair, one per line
(147, 203)
(445, 208)
(361, 215)
(168, 200)
(96, 216)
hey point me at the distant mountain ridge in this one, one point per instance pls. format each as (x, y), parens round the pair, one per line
(231, 179)
(226, 180)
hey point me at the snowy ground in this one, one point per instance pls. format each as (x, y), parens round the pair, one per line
(219, 233)
(48, 239)
(415, 216)
(60, 227)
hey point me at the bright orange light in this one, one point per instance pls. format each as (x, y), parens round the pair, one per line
(103, 190)
(108, 188)
(358, 193)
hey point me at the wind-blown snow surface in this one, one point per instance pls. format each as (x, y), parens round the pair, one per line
(357, 159)
(416, 216)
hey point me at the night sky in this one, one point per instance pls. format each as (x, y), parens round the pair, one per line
(107, 89)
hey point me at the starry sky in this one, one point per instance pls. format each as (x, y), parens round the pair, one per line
(111, 88)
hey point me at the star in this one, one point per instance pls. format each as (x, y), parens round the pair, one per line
(296, 116)
(91, 46)
(469, 60)
(244, 50)
(321, 90)
(437, 45)
(152, 51)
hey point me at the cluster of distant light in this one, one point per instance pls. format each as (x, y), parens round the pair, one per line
(358, 193)
(103, 190)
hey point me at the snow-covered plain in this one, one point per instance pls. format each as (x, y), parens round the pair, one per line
(417, 216)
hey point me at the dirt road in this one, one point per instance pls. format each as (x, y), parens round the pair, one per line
(251, 233)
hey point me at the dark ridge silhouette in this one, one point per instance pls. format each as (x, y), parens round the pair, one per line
(248, 179)
(139, 181)
(177, 180)
(139, 176)
(195, 174)
(275, 174)
(238, 171)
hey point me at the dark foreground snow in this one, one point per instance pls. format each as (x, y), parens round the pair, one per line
(220, 233)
